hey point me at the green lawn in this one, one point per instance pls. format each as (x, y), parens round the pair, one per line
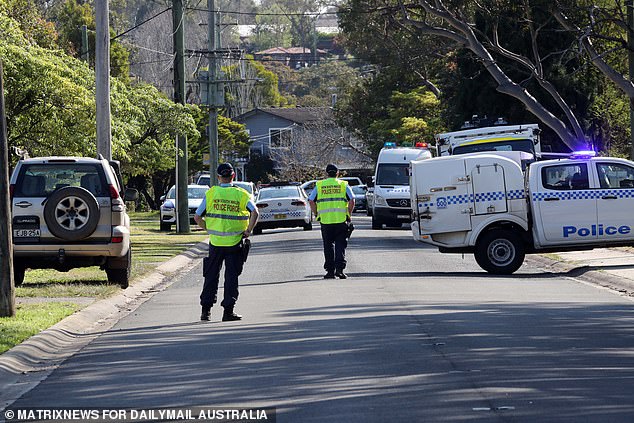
(150, 247)
(31, 319)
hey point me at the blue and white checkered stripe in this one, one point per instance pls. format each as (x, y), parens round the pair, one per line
(481, 197)
(583, 194)
(287, 213)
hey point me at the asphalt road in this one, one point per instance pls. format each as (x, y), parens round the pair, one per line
(411, 336)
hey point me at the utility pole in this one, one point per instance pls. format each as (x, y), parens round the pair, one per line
(182, 209)
(102, 75)
(213, 92)
(84, 43)
(7, 289)
(629, 4)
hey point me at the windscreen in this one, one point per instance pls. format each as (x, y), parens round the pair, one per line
(392, 174)
(525, 145)
(198, 192)
(245, 186)
(40, 180)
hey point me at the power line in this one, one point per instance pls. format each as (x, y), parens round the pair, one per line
(139, 24)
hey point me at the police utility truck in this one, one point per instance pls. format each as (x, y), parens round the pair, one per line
(494, 138)
(483, 203)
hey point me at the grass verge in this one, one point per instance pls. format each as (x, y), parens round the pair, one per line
(31, 319)
(150, 247)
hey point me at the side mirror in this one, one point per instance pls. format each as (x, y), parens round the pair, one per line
(162, 198)
(131, 194)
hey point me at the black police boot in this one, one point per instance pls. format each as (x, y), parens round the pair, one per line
(329, 275)
(340, 274)
(230, 316)
(205, 315)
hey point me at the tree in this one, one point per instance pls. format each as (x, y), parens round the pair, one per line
(521, 70)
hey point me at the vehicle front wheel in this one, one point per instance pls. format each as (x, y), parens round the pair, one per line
(500, 252)
(376, 223)
(308, 226)
(369, 211)
(165, 226)
(257, 231)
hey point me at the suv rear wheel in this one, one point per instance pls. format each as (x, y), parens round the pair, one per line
(19, 270)
(118, 269)
(71, 213)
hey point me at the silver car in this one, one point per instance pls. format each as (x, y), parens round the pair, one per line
(70, 212)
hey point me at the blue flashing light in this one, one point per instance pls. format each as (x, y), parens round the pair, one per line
(583, 154)
(389, 144)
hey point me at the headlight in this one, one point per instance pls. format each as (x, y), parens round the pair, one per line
(168, 205)
(379, 201)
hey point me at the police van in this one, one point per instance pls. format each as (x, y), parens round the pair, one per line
(485, 204)
(391, 198)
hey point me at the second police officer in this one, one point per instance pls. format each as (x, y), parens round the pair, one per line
(332, 201)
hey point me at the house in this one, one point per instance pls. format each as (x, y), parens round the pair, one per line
(293, 57)
(304, 137)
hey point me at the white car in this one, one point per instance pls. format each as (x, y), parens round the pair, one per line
(204, 179)
(283, 206)
(195, 195)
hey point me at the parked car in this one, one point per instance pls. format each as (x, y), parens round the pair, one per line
(353, 181)
(359, 192)
(70, 212)
(205, 179)
(283, 206)
(369, 200)
(309, 186)
(195, 195)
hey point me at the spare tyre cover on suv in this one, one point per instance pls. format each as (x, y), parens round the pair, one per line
(71, 213)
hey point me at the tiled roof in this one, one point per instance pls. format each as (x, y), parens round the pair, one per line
(299, 115)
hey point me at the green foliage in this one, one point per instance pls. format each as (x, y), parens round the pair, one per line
(34, 28)
(70, 16)
(260, 169)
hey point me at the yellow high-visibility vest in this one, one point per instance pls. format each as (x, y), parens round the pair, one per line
(332, 204)
(226, 216)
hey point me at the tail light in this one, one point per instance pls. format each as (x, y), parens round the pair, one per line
(298, 203)
(114, 193)
(262, 205)
(11, 190)
(116, 239)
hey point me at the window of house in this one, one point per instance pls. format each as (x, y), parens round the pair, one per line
(280, 138)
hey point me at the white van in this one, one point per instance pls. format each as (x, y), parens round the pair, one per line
(391, 202)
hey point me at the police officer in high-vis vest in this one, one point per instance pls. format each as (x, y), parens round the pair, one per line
(229, 216)
(332, 201)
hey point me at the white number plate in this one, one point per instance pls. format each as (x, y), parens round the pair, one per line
(26, 233)
(403, 216)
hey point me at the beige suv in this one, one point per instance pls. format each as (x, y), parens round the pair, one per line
(70, 212)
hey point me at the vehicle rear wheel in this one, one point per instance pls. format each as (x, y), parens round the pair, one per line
(308, 226)
(71, 213)
(19, 269)
(257, 231)
(165, 226)
(376, 223)
(118, 269)
(500, 252)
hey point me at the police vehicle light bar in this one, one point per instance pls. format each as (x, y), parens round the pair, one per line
(421, 145)
(389, 144)
(583, 154)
